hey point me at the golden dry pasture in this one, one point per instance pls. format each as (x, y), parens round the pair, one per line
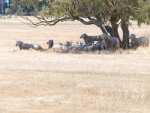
(50, 82)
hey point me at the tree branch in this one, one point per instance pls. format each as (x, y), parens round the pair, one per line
(91, 19)
(85, 22)
(43, 21)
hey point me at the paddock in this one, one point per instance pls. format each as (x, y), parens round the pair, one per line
(47, 81)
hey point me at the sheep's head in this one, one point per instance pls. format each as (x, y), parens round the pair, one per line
(79, 43)
(95, 44)
(68, 44)
(19, 43)
(104, 36)
(132, 37)
(83, 35)
(50, 43)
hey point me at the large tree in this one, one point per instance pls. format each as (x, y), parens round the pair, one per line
(126, 10)
(98, 12)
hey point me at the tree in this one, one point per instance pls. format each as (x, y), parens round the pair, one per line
(126, 10)
(98, 12)
(55, 11)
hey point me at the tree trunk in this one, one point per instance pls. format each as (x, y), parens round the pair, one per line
(115, 27)
(100, 23)
(125, 34)
(102, 27)
(109, 30)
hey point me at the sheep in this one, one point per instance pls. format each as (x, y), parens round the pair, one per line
(59, 46)
(50, 43)
(95, 45)
(26, 46)
(77, 48)
(141, 41)
(99, 46)
(60, 43)
(103, 46)
(110, 43)
(88, 39)
(68, 44)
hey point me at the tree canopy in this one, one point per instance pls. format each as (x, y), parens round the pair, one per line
(97, 12)
(64, 10)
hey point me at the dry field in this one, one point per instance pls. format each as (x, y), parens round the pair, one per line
(51, 82)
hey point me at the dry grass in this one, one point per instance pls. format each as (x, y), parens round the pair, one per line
(50, 82)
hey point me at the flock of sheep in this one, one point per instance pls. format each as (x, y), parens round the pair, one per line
(92, 43)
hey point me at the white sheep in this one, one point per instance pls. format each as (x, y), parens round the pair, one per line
(89, 39)
(59, 46)
(110, 43)
(26, 46)
(77, 48)
(95, 45)
(141, 41)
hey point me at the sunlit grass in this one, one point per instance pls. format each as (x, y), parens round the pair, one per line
(56, 82)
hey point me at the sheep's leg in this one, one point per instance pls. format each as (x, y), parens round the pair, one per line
(111, 47)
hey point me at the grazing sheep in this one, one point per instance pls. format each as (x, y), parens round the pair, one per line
(26, 46)
(95, 45)
(141, 41)
(88, 39)
(110, 43)
(59, 46)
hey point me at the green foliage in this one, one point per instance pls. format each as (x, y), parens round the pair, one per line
(119, 9)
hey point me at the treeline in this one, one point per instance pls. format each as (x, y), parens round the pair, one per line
(7, 7)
